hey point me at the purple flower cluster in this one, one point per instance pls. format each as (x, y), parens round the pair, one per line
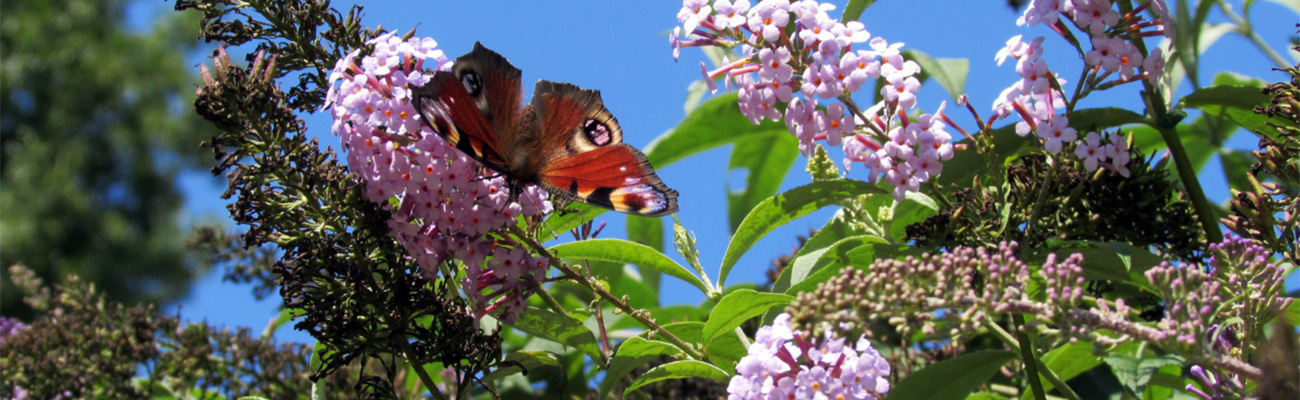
(788, 75)
(784, 363)
(1113, 52)
(10, 326)
(445, 204)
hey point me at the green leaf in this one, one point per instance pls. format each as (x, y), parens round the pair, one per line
(678, 370)
(954, 378)
(524, 361)
(559, 328)
(726, 351)
(916, 207)
(1134, 374)
(1095, 119)
(948, 72)
(695, 94)
(251, 398)
(1292, 312)
(632, 353)
(853, 10)
(286, 315)
(1235, 102)
(714, 123)
(622, 251)
(737, 307)
(1236, 164)
(782, 208)
(650, 232)
(558, 222)
(831, 257)
(968, 164)
(1068, 362)
(766, 160)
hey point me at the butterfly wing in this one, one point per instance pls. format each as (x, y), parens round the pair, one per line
(583, 157)
(475, 107)
(446, 106)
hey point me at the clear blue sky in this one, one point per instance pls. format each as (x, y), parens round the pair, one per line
(621, 48)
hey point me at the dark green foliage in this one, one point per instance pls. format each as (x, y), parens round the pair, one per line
(1144, 209)
(360, 296)
(94, 132)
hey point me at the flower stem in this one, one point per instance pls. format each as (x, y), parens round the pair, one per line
(1204, 211)
(1031, 360)
(419, 370)
(596, 288)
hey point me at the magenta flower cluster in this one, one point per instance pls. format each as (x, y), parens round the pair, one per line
(784, 363)
(445, 205)
(1113, 54)
(807, 77)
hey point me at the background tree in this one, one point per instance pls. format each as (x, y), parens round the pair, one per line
(95, 128)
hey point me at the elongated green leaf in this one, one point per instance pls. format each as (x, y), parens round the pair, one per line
(285, 316)
(1095, 119)
(853, 10)
(834, 255)
(782, 208)
(952, 379)
(634, 352)
(1292, 312)
(737, 307)
(559, 222)
(766, 160)
(1068, 362)
(948, 72)
(622, 251)
(558, 328)
(650, 232)
(727, 350)
(524, 361)
(714, 123)
(1236, 102)
(678, 370)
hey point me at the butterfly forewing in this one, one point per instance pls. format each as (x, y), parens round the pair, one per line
(441, 104)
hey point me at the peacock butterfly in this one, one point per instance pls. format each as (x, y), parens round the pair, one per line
(565, 141)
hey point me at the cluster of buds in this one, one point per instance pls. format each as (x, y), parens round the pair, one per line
(786, 363)
(445, 205)
(807, 77)
(972, 284)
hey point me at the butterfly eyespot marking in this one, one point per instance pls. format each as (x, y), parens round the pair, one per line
(473, 84)
(597, 132)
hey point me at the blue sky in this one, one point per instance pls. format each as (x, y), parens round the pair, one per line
(621, 49)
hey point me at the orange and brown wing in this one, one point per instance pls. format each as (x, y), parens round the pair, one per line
(617, 177)
(447, 107)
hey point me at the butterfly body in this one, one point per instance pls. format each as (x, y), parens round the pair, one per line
(564, 141)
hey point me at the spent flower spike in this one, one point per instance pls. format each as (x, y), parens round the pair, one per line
(447, 206)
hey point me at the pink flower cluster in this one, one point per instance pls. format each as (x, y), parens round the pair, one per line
(444, 205)
(787, 75)
(789, 364)
(1113, 54)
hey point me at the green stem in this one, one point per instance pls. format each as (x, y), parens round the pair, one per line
(419, 370)
(1031, 360)
(600, 291)
(1048, 373)
(1204, 211)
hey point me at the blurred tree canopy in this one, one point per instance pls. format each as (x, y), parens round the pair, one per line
(95, 125)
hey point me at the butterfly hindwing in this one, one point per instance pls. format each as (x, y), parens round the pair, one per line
(586, 158)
